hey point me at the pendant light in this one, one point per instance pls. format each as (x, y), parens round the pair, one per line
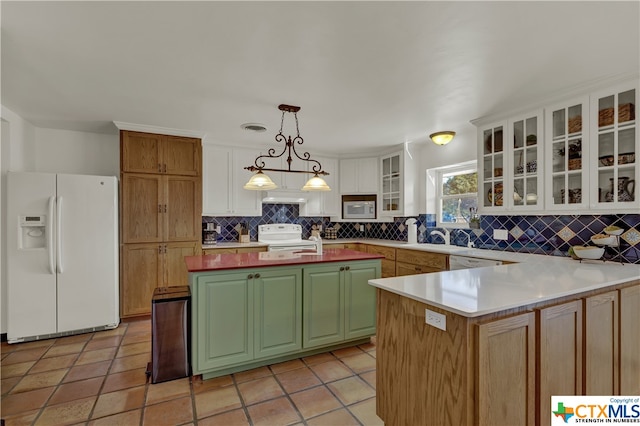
(442, 138)
(262, 182)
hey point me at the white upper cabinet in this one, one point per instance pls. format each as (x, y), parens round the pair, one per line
(615, 144)
(359, 176)
(324, 203)
(223, 178)
(526, 149)
(580, 156)
(492, 167)
(510, 164)
(567, 155)
(399, 185)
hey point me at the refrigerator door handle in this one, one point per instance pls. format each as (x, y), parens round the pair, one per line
(49, 231)
(59, 263)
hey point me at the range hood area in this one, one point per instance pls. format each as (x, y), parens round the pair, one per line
(284, 197)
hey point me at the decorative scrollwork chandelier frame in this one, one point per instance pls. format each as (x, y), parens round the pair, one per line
(289, 148)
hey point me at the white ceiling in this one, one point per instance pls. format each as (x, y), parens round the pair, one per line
(367, 75)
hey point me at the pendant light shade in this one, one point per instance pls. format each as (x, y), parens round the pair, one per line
(316, 183)
(442, 138)
(260, 182)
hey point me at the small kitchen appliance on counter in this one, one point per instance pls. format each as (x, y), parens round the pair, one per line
(209, 233)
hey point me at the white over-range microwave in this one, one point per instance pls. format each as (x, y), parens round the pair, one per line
(358, 209)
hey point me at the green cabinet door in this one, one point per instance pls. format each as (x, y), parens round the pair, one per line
(278, 311)
(223, 319)
(323, 305)
(360, 299)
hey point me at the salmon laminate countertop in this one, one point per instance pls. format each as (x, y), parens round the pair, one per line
(230, 261)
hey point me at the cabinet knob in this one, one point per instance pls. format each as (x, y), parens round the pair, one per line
(159, 168)
(342, 268)
(256, 276)
(250, 276)
(164, 168)
(165, 208)
(159, 208)
(346, 268)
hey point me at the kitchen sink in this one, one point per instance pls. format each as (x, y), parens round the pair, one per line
(442, 248)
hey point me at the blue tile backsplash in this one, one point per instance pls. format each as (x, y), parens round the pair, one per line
(551, 235)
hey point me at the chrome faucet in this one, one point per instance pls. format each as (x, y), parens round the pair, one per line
(469, 243)
(446, 236)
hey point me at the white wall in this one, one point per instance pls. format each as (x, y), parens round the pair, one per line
(461, 149)
(64, 151)
(17, 149)
(25, 147)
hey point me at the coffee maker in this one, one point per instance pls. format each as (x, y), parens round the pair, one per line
(209, 233)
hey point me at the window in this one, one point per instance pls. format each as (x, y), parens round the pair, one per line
(456, 194)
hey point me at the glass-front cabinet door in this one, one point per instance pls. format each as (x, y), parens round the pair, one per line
(391, 184)
(614, 168)
(526, 162)
(567, 155)
(493, 163)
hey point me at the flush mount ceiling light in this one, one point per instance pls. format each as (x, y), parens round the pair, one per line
(254, 127)
(262, 182)
(442, 138)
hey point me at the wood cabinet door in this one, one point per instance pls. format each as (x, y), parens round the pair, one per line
(601, 344)
(141, 273)
(278, 312)
(559, 354)
(323, 305)
(183, 208)
(182, 156)
(142, 206)
(630, 341)
(140, 152)
(223, 333)
(506, 371)
(175, 270)
(360, 299)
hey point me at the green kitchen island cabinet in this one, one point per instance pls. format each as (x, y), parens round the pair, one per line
(246, 315)
(338, 302)
(255, 309)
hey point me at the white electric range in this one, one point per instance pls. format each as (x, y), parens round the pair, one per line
(284, 236)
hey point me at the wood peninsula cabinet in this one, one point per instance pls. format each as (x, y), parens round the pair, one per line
(502, 367)
(160, 214)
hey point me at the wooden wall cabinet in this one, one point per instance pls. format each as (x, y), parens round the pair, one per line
(149, 265)
(160, 214)
(163, 154)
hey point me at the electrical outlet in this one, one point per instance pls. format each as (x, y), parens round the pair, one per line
(500, 234)
(435, 319)
(361, 228)
(217, 229)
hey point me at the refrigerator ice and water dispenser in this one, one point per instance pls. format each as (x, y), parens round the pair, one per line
(32, 232)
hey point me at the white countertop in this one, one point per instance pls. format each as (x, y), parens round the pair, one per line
(480, 291)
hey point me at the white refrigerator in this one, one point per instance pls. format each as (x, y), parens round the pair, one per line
(62, 238)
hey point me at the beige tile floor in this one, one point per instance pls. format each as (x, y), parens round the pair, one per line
(99, 379)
